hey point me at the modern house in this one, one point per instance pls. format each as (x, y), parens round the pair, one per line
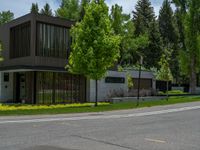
(35, 52)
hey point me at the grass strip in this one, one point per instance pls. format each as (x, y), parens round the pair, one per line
(5, 110)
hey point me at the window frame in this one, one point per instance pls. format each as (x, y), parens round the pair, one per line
(58, 48)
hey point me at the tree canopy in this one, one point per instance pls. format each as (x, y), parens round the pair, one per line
(124, 27)
(84, 3)
(95, 48)
(6, 16)
(46, 10)
(164, 73)
(167, 23)
(190, 56)
(143, 16)
(34, 8)
(145, 23)
(169, 34)
(69, 9)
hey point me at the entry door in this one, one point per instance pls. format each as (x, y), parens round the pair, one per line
(20, 87)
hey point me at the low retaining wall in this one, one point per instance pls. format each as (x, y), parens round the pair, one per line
(134, 99)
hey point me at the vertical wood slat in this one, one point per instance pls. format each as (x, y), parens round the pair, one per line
(60, 88)
(51, 40)
(20, 40)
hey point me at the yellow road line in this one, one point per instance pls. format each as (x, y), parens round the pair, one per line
(155, 140)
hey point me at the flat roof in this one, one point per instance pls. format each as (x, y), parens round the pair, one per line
(41, 18)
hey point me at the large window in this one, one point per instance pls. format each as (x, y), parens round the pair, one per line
(20, 40)
(145, 84)
(115, 80)
(59, 88)
(52, 41)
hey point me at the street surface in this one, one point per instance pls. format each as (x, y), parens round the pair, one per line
(175, 127)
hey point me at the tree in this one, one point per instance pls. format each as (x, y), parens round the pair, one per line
(129, 80)
(180, 28)
(145, 23)
(84, 3)
(192, 38)
(166, 24)
(34, 8)
(164, 74)
(182, 5)
(124, 27)
(181, 10)
(190, 57)
(143, 16)
(153, 52)
(118, 19)
(95, 48)
(6, 16)
(179, 14)
(118, 22)
(46, 10)
(169, 34)
(69, 9)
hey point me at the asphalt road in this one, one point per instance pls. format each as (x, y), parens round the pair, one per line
(174, 127)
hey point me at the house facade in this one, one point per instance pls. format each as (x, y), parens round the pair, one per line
(35, 52)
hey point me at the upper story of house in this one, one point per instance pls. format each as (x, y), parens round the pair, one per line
(35, 41)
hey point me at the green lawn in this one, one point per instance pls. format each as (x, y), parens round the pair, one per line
(6, 110)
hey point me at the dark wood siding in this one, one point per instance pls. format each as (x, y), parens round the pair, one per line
(16, 57)
(20, 40)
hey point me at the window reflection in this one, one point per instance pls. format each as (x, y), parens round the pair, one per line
(20, 40)
(52, 41)
(60, 88)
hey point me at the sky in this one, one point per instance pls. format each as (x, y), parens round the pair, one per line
(22, 7)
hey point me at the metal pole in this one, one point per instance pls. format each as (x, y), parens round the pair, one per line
(138, 94)
(140, 69)
(96, 99)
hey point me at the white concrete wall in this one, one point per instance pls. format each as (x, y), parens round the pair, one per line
(144, 74)
(105, 90)
(6, 88)
(198, 90)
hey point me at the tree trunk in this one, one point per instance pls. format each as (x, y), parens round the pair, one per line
(193, 77)
(96, 100)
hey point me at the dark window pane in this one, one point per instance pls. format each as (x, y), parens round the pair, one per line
(114, 80)
(20, 40)
(6, 77)
(144, 83)
(60, 88)
(52, 40)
